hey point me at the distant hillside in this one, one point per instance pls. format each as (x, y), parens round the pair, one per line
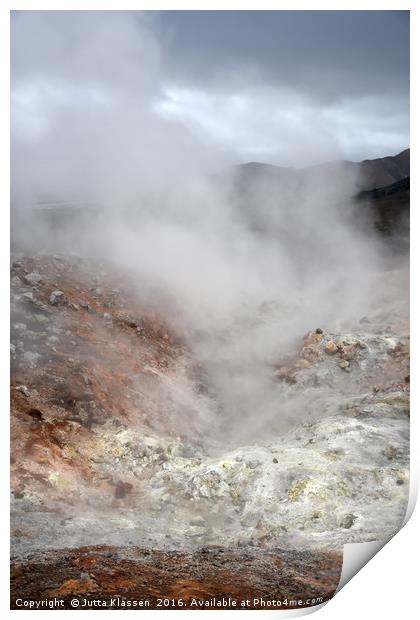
(382, 172)
(369, 174)
(378, 188)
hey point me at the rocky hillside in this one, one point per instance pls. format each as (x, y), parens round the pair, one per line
(114, 490)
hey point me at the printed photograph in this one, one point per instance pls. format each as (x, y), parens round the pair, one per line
(209, 304)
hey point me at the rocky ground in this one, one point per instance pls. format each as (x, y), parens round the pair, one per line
(102, 456)
(193, 580)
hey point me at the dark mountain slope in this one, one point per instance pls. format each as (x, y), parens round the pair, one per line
(390, 207)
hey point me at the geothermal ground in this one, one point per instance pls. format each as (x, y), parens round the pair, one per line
(116, 491)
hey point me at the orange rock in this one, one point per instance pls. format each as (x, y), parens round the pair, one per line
(76, 586)
(348, 352)
(312, 337)
(331, 348)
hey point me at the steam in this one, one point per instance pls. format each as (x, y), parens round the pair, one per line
(242, 272)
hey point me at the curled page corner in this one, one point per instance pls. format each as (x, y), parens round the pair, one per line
(355, 557)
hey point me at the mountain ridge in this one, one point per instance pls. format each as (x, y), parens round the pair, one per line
(371, 173)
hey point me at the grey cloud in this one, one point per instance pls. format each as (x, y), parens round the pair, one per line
(329, 54)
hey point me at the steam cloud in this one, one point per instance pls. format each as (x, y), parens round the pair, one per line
(243, 279)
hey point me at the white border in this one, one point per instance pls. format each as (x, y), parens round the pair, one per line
(388, 584)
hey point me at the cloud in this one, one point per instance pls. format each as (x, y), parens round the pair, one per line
(283, 127)
(84, 87)
(292, 88)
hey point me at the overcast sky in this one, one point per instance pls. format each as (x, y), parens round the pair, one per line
(285, 87)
